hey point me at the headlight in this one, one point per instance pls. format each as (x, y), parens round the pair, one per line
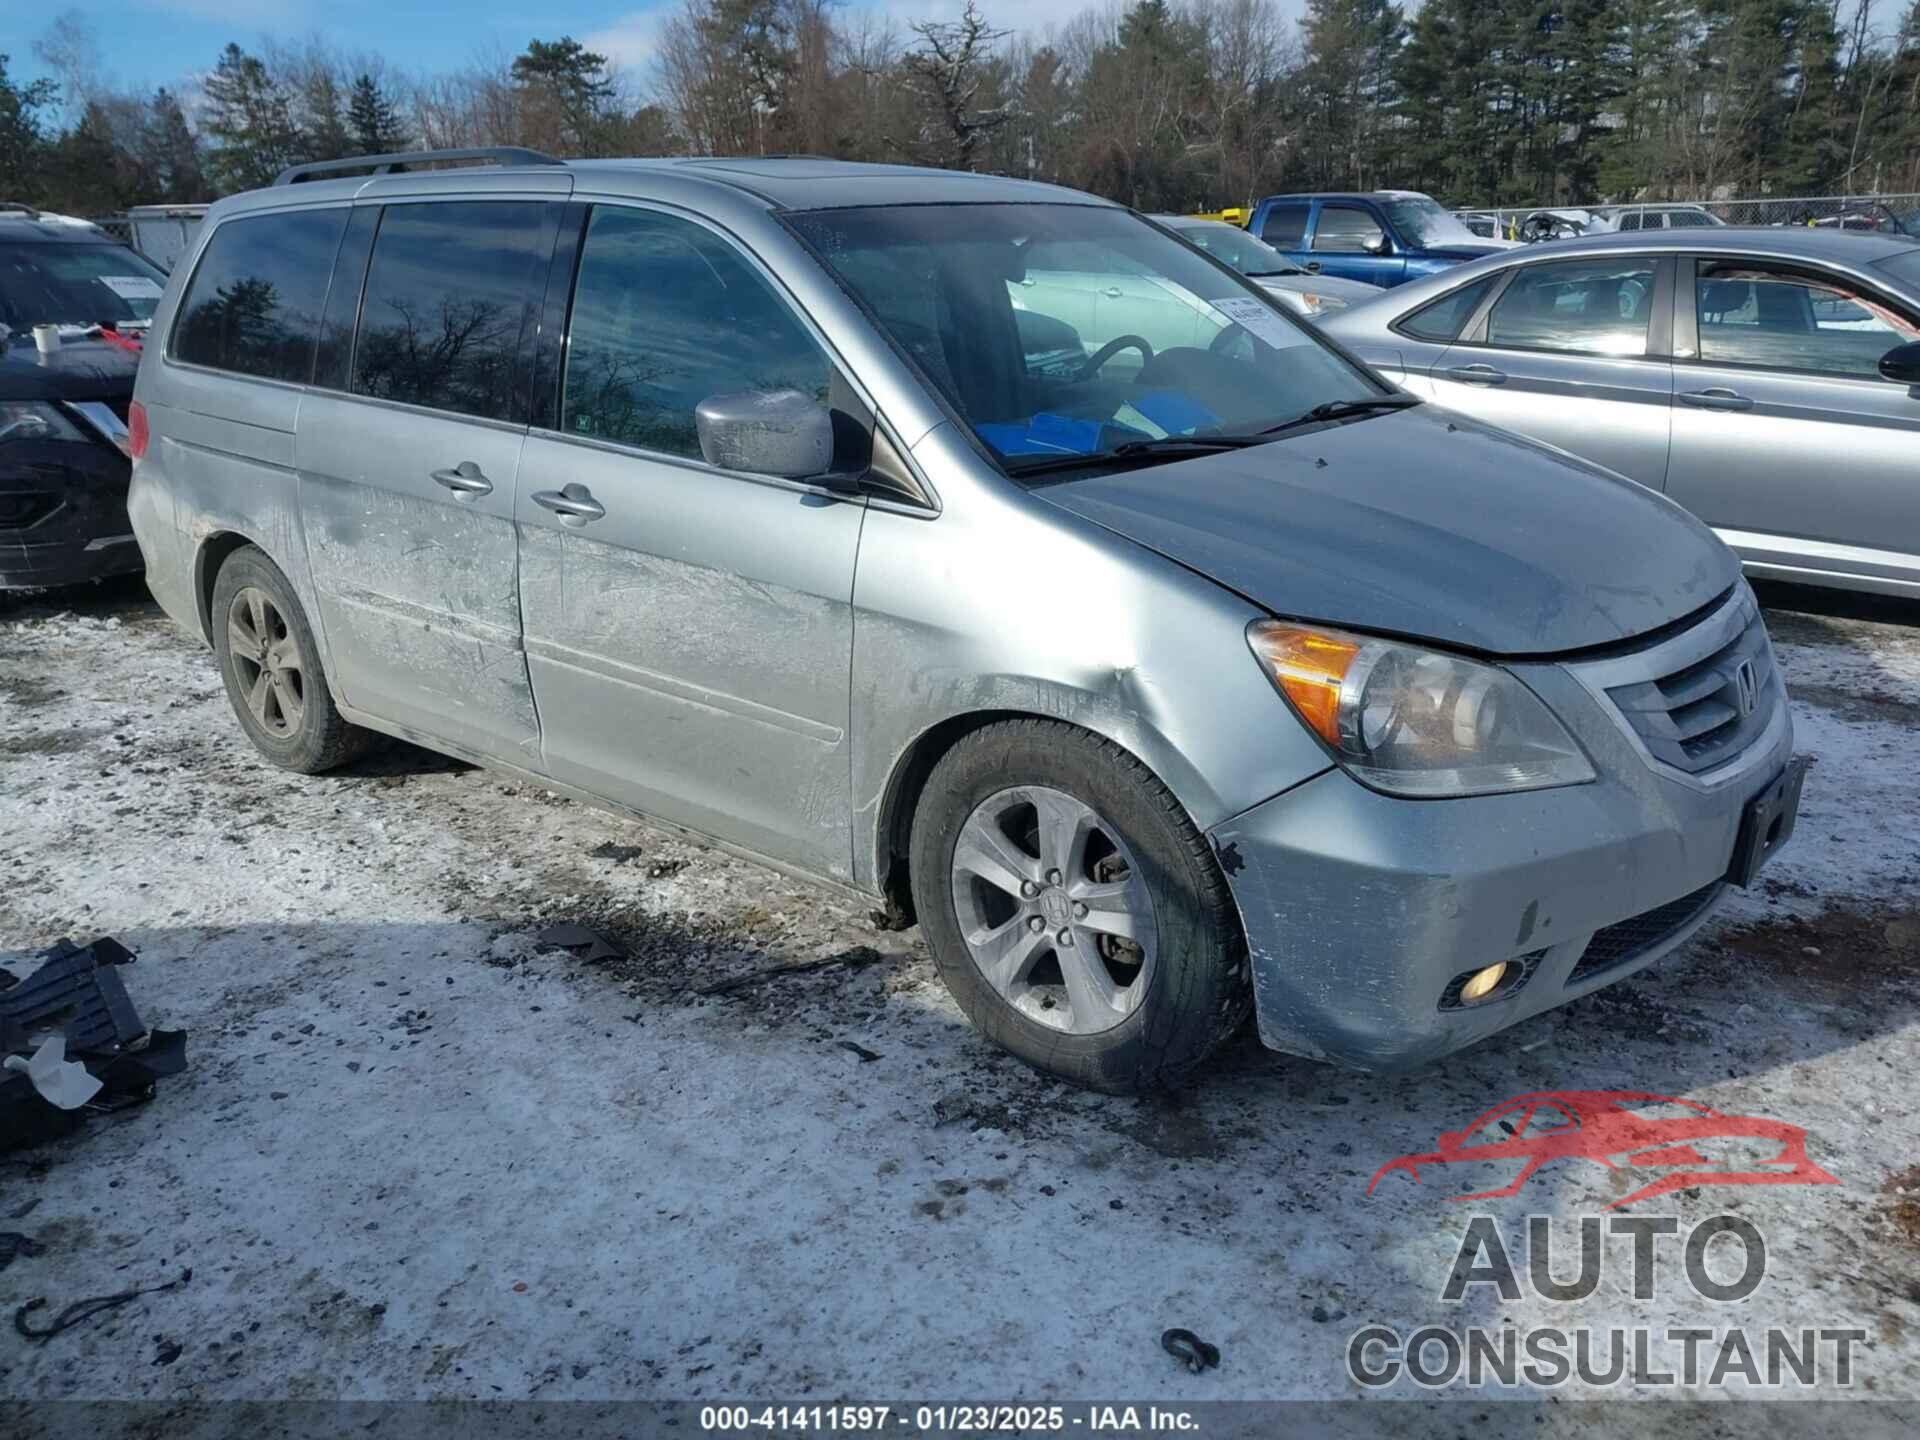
(1417, 722)
(36, 420)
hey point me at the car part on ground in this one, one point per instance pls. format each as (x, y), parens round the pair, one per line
(72, 1013)
(978, 643)
(1723, 367)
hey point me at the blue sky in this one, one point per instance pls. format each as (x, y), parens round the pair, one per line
(144, 43)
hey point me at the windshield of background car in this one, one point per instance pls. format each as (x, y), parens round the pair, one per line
(1426, 225)
(1073, 330)
(57, 283)
(1233, 246)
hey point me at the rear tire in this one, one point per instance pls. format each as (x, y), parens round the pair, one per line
(271, 667)
(1099, 942)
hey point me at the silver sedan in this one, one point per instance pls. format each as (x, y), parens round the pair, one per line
(1768, 380)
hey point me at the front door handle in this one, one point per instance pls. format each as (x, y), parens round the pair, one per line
(1718, 398)
(1112, 292)
(1313, 267)
(574, 504)
(1477, 375)
(464, 479)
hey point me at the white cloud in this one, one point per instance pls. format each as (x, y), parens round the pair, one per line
(632, 40)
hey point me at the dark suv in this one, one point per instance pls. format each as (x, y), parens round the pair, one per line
(63, 409)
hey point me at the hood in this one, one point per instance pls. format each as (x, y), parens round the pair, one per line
(78, 370)
(1472, 250)
(1424, 524)
(1351, 291)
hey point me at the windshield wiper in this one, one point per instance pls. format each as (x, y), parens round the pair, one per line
(1169, 447)
(1344, 409)
(1290, 270)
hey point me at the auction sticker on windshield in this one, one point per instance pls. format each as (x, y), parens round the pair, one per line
(131, 287)
(1259, 319)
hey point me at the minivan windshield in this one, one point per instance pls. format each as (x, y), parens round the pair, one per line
(55, 282)
(1427, 225)
(1078, 330)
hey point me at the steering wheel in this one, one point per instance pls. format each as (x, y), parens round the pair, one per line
(1112, 348)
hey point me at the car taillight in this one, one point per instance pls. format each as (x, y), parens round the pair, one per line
(137, 430)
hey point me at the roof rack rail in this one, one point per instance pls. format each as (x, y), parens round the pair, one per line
(387, 164)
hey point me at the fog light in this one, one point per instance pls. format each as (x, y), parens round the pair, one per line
(1483, 983)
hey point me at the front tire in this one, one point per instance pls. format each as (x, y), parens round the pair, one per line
(1075, 913)
(271, 667)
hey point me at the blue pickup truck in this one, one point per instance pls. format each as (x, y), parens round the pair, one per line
(1384, 237)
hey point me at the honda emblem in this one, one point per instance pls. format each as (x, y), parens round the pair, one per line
(1746, 684)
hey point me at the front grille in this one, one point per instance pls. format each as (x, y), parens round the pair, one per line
(1708, 708)
(1631, 938)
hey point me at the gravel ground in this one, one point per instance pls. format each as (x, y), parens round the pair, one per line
(419, 1154)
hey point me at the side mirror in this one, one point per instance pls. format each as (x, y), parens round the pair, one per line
(1379, 246)
(766, 432)
(1902, 364)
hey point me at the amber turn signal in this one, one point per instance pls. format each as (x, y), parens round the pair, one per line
(1309, 667)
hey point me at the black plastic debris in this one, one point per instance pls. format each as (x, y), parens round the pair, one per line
(77, 997)
(1190, 1350)
(588, 944)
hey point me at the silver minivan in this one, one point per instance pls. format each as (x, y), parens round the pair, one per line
(1160, 675)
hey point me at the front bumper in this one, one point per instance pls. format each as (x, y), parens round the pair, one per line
(1361, 909)
(63, 515)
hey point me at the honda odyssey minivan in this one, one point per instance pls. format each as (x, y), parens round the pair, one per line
(1168, 671)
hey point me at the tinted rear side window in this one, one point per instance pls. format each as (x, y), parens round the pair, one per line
(450, 289)
(1442, 319)
(253, 306)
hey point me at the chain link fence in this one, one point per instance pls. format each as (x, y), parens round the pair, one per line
(1886, 214)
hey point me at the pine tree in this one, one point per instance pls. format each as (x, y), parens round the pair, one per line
(250, 119)
(372, 122)
(170, 153)
(23, 144)
(567, 88)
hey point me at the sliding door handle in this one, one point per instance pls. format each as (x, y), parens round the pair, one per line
(574, 504)
(464, 479)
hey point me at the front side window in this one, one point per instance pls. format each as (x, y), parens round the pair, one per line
(253, 307)
(1284, 226)
(1635, 221)
(665, 314)
(1347, 230)
(1579, 307)
(1789, 320)
(1688, 219)
(448, 291)
(1153, 342)
(1442, 318)
(57, 283)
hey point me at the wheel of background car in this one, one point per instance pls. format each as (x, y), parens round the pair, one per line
(1112, 348)
(1074, 911)
(271, 668)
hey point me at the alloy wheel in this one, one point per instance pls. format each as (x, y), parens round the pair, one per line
(1053, 909)
(266, 662)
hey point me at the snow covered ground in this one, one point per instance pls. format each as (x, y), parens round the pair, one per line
(418, 1155)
